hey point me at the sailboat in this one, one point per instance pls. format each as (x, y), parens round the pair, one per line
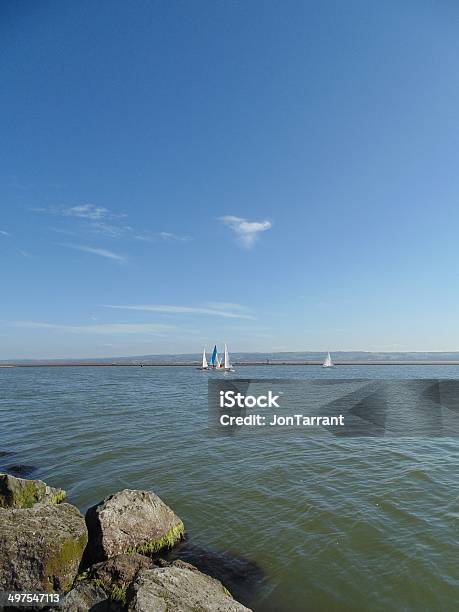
(205, 365)
(217, 362)
(328, 363)
(214, 358)
(223, 364)
(227, 363)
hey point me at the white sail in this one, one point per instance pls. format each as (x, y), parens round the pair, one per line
(227, 363)
(328, 363)
(220, 362)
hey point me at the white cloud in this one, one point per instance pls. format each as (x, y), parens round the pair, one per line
(247, 232)
(165, 236)
(99, 220)
(230, 311)
(96, 251)
(104, 329)
(109, 229)
(81, 211)
(3, 233)
(227, 306)
(87, 211)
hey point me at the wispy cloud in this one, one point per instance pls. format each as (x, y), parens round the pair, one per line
(113, 230)
(101, 221)
(161, 236)
(247, 232)
(3, 233)
(109, 229)
(104, 329)
(231, 306)
(87, 211)
(96, 251)
(81, 211)
(230, 311)
(172, 236)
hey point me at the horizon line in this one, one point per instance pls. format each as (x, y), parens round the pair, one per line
(152, 356)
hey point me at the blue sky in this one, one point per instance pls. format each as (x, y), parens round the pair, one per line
(277, 175)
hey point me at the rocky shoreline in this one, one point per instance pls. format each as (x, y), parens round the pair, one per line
(111, 559)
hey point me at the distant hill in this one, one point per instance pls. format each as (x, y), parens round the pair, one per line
(339, 356)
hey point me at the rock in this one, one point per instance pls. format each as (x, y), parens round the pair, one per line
(84, 597)
(179, 587)
(21, 469)
(130, 521)
(117, 573)
(21, 493)
(40, 547)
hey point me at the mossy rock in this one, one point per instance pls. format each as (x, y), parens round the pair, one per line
(116, 574)
(41, 547)
(22, 493)
(150, 547)
(130, 521)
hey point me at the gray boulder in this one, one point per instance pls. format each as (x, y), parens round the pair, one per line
(40, 547)
(22, 493)
(117, 573)
(179, 587)
(84, 597)
(130, 521)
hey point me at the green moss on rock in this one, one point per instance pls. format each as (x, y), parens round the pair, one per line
(118, 593)
(41, 547)
(114, 592)
(166, 541)
(22, 493)
(30, 494)
(116, 574)
(58, 497)
(62, 562)
(82, 576)
(130, 521)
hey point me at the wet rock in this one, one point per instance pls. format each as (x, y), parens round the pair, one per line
(86, 597)
(179, 587)
(40, 547)
(21, 493)
(130, 521)
(117, 573)
(21, 469)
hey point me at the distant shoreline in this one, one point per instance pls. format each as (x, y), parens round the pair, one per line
(267, 363)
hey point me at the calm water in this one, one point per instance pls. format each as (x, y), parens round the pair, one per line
(332, 524)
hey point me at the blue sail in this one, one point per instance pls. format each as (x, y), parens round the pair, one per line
(214, 355)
